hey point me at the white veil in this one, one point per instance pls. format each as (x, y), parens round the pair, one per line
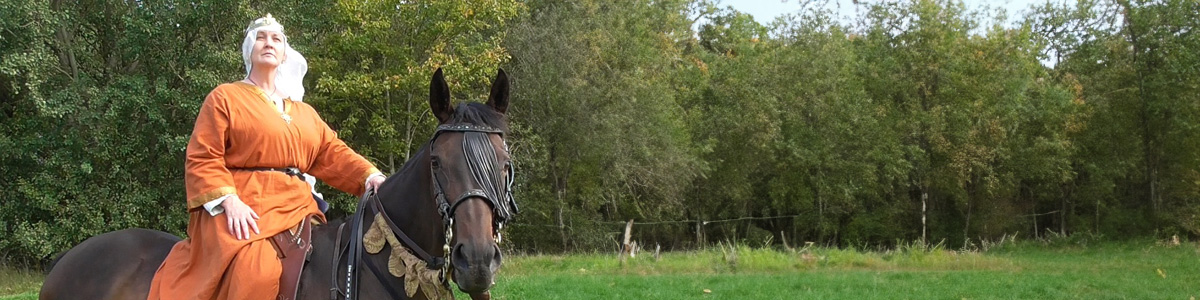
(289, 77)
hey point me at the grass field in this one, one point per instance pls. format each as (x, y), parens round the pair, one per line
(19, 283)
(1030, 270)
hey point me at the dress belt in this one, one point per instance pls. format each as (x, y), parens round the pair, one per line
(293, 171)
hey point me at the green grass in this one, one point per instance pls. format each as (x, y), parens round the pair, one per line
(1029, 270)
(19, 283)
(1026, 271)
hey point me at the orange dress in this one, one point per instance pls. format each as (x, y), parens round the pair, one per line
(238, 128)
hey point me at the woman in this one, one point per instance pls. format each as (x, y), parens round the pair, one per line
(238, 193)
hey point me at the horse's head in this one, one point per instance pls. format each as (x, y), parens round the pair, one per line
(473, 174)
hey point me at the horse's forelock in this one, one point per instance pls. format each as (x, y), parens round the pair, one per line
(479, 114)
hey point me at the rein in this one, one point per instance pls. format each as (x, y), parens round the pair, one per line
(370, 201)
(481, 159)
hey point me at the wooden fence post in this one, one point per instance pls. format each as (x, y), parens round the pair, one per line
(626, 248)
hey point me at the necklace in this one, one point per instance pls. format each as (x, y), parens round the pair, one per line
(270, 97)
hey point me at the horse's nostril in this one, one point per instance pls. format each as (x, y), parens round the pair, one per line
(459, 259)
(497, 257)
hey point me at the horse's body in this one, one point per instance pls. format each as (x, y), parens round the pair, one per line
(114, 265)
(121, 264)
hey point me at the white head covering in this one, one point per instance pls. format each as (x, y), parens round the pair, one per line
(289, 77)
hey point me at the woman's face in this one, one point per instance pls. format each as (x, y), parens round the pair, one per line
(268, 49)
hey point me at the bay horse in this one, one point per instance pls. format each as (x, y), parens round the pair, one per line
(447, 204)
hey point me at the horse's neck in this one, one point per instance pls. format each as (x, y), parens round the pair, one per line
(408, 199)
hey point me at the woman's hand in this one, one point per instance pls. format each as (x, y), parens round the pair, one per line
(240, 217)
(374, 182)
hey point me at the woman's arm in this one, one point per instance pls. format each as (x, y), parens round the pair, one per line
(205, 175)
(209, 183)
(339, 166)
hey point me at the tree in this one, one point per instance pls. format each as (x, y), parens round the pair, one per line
(599, 96)
(370, 72)
(99, 98)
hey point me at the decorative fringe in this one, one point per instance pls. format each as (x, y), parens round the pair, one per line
(403, 264)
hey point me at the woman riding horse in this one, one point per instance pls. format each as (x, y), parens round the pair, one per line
(441, 213)
(252, 140)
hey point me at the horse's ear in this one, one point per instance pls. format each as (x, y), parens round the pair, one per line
(498, 100)
(439, 97)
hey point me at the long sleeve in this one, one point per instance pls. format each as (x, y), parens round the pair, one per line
(205, 175)
(338, 165)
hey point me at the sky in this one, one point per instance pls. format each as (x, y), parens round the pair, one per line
(765, 11)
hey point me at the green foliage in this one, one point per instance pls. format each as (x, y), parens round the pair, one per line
(94, 120)
(1135, 173)
(919, 120)
(596, 94)
(369, 74)
(98, 98)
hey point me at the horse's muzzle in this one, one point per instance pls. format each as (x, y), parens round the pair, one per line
(475, 265)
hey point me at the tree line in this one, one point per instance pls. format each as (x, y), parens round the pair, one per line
(916, 120)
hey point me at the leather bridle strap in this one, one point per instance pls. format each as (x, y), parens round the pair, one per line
(334, 291)
(356, 248)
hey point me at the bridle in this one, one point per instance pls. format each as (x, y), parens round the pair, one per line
(481, 161)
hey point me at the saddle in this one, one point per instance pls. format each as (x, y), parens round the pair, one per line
(293, 247)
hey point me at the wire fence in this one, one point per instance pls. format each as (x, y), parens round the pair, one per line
(596, 234)
(688, 221)
(706, 222)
